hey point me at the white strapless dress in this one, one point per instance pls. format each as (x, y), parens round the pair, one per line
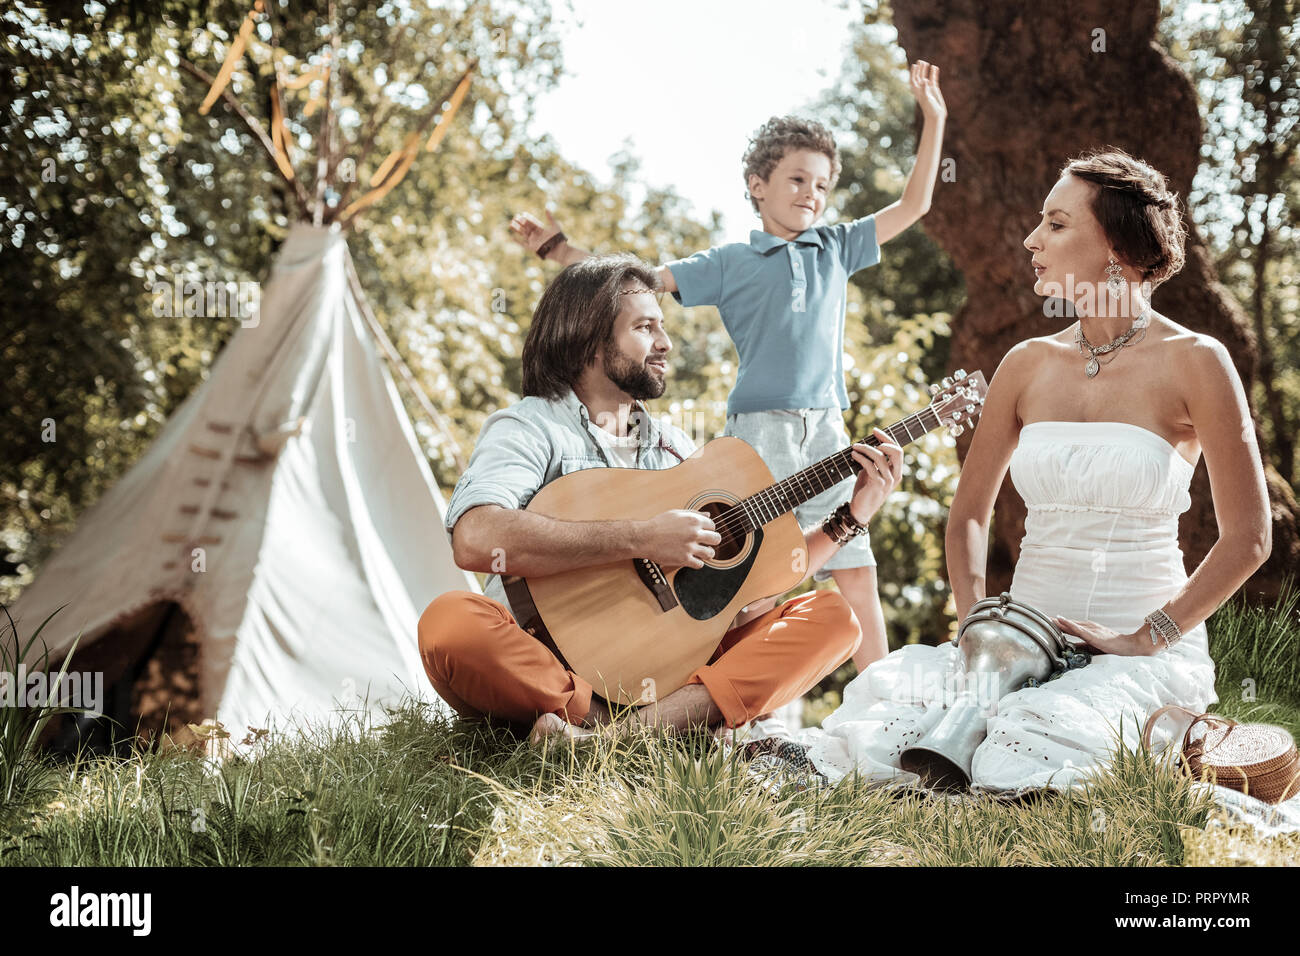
(1100, 544)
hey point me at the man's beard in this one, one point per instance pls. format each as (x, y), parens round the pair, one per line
(636, 379)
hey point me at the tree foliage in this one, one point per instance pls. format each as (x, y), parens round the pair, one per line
(1244, 56)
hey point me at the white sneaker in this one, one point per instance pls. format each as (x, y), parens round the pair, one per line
(774, 726)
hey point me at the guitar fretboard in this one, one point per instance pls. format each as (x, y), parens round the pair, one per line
(786, 495)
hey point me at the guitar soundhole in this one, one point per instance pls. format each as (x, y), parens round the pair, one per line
(731, 544)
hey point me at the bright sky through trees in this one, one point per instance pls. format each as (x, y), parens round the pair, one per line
(681, 84)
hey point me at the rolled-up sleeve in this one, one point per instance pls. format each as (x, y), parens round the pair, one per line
(507, 467)
(698, 278)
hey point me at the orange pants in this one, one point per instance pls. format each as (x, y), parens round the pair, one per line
(482, 663)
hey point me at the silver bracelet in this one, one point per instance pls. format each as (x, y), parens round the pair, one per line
(1163, 625)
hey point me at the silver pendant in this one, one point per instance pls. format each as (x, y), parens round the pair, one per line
(1093, 367)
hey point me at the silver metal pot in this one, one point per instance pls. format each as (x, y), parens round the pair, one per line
(1003, 643)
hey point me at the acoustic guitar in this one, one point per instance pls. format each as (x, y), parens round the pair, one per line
(637, 632)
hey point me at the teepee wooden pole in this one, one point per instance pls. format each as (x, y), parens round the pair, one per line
(400, 160)
(326, 123)
(397, 43)
(279, 121)
(404, 370)
(254, 127)
(233, 54)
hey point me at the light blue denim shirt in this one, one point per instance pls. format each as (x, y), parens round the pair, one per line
(535, 441)
(783, 304)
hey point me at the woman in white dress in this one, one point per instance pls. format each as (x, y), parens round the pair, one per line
(1101, 426)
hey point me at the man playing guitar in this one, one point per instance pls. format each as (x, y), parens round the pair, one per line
(596, 349)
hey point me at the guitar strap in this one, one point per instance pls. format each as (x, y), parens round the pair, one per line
(525, 612)
(669, 448)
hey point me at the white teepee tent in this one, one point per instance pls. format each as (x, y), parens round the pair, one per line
(286, 507)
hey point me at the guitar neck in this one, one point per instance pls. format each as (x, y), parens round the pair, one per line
(786, 495)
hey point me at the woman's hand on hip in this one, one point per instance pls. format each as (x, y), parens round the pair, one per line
(1103, 640)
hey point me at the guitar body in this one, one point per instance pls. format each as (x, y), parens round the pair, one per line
(636, 632)
(609, 621)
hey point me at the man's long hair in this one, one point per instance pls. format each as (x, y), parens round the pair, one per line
(576, 318)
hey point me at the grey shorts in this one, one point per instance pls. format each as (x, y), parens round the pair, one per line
(791, 439)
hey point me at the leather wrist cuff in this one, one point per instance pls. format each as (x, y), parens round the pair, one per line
(840, 525)
(545, 248)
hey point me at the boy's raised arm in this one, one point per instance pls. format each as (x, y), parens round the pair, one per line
(526, 230)
(917, 193)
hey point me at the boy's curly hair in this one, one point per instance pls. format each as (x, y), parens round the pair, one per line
(780, 135)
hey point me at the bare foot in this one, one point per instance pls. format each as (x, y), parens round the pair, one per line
(632, 722)
(552, 725)
(599, 713)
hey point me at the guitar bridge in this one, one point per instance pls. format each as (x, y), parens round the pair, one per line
(652, 576)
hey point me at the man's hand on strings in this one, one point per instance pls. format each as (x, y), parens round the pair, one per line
(881, 474)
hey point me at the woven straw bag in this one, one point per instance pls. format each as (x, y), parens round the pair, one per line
(1259, 760)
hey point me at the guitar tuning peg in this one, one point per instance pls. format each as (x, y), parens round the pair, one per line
(970, 409)
(959, 374)
(934, 389)
(947, 383)
(956, 430)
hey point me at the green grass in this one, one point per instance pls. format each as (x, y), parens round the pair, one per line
(23, 719)
(1256, 653)
(424, 790)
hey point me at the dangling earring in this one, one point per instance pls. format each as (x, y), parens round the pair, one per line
(1115, 278)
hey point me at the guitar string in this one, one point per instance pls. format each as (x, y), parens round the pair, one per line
(753, 511)
(763, 506)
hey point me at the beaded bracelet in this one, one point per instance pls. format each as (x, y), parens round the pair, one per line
(840, 525)
(1163, 626)
(545, 248)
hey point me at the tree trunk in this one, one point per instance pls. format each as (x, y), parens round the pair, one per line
(1030, 85)
(1283, 445)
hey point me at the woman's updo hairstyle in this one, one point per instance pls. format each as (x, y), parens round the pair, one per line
(1139, 215)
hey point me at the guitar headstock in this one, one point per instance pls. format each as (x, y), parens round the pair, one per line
(958, 400)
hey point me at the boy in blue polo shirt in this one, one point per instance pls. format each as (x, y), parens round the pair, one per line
(782, 299)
